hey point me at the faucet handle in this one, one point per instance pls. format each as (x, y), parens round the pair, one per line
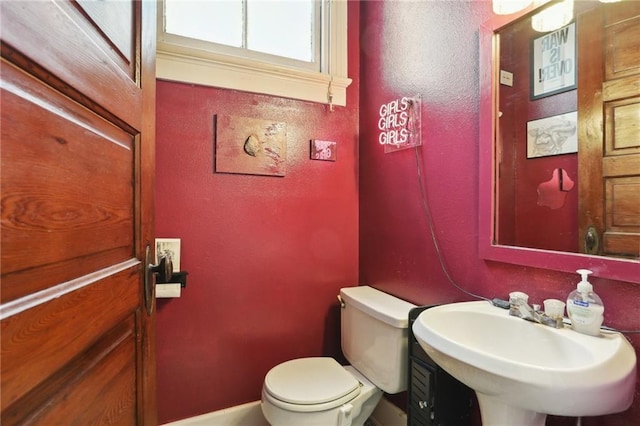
(554, 308)
(516, 299)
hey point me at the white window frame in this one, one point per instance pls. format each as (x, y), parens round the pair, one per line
(182, 59)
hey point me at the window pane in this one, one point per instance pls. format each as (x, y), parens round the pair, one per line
(218, 21)
(281, 27)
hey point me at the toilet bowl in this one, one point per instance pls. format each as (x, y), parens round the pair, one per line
(318, 391)
(340, 395)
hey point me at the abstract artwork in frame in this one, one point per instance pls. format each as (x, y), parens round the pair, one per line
(552, 135)
(250, 146)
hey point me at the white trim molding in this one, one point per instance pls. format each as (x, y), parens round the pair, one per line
(250, 414)
(177, 62)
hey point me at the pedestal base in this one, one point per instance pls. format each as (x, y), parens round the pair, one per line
(494, 412)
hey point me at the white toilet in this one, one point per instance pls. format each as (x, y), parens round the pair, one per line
(321, 392)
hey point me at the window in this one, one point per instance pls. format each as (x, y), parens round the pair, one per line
(290, 48)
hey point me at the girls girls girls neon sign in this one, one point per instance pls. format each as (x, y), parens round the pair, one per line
(400, 124)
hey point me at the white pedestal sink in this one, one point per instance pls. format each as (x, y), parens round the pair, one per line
(522, 371)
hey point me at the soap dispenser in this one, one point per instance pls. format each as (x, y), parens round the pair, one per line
(584, 307)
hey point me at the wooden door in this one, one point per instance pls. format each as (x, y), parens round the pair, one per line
(78, 116)
(609, 129)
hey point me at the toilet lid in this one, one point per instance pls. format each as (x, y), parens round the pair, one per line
(311, 381)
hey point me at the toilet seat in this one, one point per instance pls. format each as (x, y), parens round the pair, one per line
(310, 384)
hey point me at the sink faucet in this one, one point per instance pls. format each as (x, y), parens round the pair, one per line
(534, 314)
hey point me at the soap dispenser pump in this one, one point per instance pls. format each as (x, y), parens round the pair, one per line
(585, 308)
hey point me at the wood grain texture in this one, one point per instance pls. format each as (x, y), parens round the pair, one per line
(609, 144)
(56, 192)
(100, 375)
(78, 159)
(88, 73)
(40, 341)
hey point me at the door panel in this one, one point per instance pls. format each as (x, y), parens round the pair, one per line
(622, 34)
(99, 380)
(113, 386)
(46, 212)
(78, 114)
(623, 130)
(73, 54)
(38, 342)
(114, 20)
(609, 127)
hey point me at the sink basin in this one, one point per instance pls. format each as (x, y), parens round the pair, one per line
(521, 371)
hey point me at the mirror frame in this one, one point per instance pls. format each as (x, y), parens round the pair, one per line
(604, 267)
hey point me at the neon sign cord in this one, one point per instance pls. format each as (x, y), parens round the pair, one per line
(427, 212)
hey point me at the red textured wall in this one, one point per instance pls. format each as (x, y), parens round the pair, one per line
(521, 216)
(266, 256)
(431, 49)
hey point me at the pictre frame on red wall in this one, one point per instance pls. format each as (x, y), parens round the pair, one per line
(553, 62)
(552, 135)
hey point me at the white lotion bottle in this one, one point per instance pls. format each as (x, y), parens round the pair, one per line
(585, 308)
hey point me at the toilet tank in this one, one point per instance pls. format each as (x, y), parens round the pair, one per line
(374, 338)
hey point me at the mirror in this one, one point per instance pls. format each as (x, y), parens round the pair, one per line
(532, 143)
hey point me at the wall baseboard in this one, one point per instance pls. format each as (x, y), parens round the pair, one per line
(250, 414)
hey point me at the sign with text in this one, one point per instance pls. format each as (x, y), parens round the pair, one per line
(553, 62)
(400, 124)
(324, 150)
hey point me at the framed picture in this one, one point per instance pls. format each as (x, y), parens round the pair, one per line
(250, 146)
(169, 247)
(552, 135)
(323, 150)
(553, 62)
